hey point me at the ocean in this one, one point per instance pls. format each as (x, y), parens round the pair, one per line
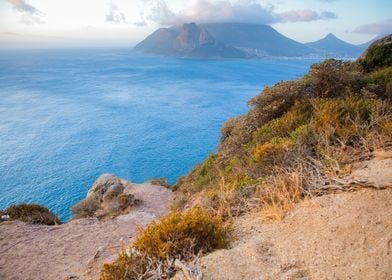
(67, 116)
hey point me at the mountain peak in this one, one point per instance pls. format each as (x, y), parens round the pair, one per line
(331, 36)
(331, 45)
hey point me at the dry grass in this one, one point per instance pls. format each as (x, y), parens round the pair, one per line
(178, 236)
(280, 195)
(382, 154)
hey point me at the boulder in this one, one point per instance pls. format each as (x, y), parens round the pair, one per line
(107, 196)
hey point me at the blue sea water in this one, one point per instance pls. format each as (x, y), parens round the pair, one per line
(68, 116)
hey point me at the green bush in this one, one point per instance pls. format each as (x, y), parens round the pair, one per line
(377, 56)
(32, 213)
(380, 83)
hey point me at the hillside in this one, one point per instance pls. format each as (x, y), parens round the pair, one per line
(331, 46)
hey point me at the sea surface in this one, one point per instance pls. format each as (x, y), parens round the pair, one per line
(67, 116)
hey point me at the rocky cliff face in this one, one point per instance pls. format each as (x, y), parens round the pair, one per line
(192, 37)
(189, 40)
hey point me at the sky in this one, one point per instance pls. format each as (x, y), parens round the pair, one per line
(123, 23)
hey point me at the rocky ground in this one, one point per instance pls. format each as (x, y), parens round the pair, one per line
(78, 249)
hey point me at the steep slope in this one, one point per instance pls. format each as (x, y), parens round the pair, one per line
(257, 39)
(332, 46)
(190, 40)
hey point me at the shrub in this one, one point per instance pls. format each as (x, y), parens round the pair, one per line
(380, 83)
(161, 182)
(125, 200)
(273, 151)
(201, 176)
(332, 78)
(32, 213)
(377, 56)
(341, 118)
(85, 208)
(180, 235)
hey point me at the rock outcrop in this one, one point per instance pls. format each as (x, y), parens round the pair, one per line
(108, 195)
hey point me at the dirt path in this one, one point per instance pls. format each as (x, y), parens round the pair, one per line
(67, 251)
(337, 236)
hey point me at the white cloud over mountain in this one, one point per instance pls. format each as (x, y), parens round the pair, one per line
(204, 11)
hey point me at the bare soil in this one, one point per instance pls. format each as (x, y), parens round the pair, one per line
(78, 249)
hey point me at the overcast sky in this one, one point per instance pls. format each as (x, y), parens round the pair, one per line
(63, 23)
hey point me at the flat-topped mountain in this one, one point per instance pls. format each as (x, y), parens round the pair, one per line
(332, 46)
(189, 40)
(240, 40)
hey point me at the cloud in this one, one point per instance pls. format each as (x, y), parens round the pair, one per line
(30, 14)
(247, 11)
(375, 28)
(115, 15)
(6, 33)
(304, 15)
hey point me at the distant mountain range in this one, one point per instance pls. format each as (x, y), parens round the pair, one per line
(240, 40)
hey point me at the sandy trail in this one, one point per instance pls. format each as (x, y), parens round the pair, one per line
(336, 236)
(67, 251)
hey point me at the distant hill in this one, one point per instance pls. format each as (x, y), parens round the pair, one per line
(240, 40)
(257, 39)
(332, 46)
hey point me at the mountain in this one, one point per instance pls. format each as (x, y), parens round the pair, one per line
(227, 40)
(334, 47)
(240, 40)
(189, 40)
(257, 39)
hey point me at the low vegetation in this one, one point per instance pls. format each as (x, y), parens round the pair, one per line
(178, 236)
(313, 127)
(31, 213)
(85, 208)
(161, 182)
